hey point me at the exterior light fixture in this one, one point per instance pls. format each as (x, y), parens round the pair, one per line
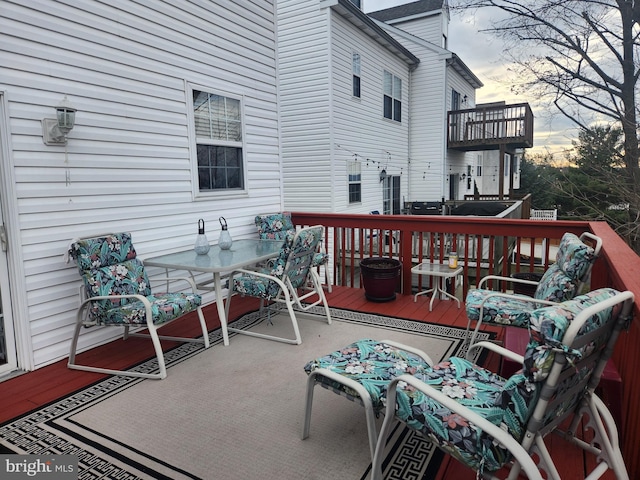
(383, 175)
(55, 130)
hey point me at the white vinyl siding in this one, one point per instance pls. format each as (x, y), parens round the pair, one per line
(319, 117)
(127, 167)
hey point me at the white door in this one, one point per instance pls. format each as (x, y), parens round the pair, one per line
(8, 360)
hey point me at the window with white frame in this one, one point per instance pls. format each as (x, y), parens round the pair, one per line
(355, 60)
(219, 141)
(392, 98)
(355, 181)
(479, 166)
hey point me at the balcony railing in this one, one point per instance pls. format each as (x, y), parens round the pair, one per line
(486, 128)
(491, 246)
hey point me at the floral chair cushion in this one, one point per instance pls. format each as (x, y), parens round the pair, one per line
(507, 403)
(261, 287)
(574, 257)
(109, 267)
(549, 324)
(498, 309)
(371, 363)
(274, 227)
(102, 251)
(277, 226)
(559, 283)
(556, 286)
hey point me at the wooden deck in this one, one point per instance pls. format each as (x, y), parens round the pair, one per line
(25, 392)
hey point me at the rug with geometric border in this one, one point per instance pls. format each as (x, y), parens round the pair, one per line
(234, 412)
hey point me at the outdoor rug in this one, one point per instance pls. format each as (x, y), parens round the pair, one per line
(234, 412)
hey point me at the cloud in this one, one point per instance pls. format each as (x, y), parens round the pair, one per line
(483, 54)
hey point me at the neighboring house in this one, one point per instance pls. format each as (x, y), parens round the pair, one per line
(177, 119)
(364, 102)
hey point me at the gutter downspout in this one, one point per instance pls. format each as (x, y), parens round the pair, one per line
(410, 126)
(446, 132)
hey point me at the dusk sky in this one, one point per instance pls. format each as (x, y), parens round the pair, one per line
(481, 53)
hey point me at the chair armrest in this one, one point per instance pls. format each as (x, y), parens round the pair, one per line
(516, 357)
(281, 284)
(519, 453)
(147, 305)
(521, 298)
(190, 281)
(506, 279)
(413, 350)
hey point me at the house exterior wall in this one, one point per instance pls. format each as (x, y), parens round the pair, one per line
(432, 82)
(126, 67)
(457, 162)
(427, 27)
(489, 182)
(359, 127)
(305, 107)
(323, 125)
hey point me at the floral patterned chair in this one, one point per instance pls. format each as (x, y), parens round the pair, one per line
(488, 422)
(282, 281)
(276, 227)
(117, 293)
(562, 281)
(362, 372)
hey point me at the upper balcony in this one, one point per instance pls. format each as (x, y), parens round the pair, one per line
(487, 127)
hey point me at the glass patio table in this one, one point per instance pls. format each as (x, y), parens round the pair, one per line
(243, 253)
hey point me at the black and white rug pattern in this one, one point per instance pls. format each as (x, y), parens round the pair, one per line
(45, 431)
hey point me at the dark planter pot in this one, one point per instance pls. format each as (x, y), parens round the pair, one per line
(380, 277)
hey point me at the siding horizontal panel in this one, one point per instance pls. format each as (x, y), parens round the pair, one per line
(97, 149)
(35, 176)
(94, 202)
(35, 190)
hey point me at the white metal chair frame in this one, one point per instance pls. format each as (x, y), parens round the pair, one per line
(288, 294)
(83, 320)
(597, 246)
(605, 444)
(362, 392)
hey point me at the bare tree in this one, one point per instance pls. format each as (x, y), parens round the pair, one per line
(580, 53)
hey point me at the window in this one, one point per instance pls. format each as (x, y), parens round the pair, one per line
(455, 100)
(479, 166)
(392, 89)
(391, 195)
(355, 181)
(219, 142)
(356, 74)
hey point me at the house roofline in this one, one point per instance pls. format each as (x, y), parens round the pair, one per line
(452, 59)
(361, 20)
(410, 11)
(466, 73)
